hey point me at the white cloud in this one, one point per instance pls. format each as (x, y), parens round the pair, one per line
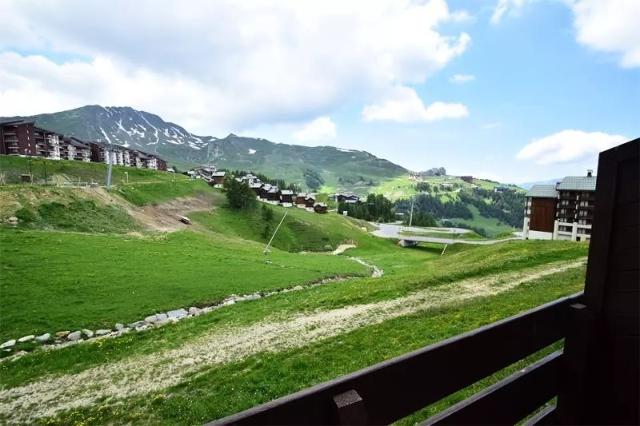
(610, 26)
(403, 105)
(322, 128)
(222, 64)
(568, 146)
(462, 78)
(504, 7)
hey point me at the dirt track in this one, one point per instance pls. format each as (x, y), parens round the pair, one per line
(147, 373)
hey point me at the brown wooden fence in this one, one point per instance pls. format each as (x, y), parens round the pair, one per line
(596, 378)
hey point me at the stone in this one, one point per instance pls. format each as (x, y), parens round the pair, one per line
(155, 318)
(88, 333)
(76, 335)
(253, 296)
(26, 338)
(8, 344)
(102, 332)
(12, 220)
(177, 313)
(43, 338)
(119, 326)
(136, 324)
(298, 288)
(194, 311)
(62, 334)
(229, 302)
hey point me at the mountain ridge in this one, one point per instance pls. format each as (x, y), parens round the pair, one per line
(311, 166)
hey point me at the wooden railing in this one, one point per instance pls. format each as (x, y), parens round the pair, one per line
(396, 388)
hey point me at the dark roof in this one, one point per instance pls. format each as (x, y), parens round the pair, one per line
(543, 191)
(578, 183)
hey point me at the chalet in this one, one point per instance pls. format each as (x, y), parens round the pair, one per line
(264, 191)
(255, 186)
(273, 194)
(310, 201)
(563, 211)
(500, 189)
(286, 197)
(217, 179)
(347, 198)
(300, 200)
(320, 208)
(540, 212)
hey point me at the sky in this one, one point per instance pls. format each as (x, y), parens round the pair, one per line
(510, 90)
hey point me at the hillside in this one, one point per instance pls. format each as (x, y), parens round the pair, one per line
(308, 166)
(457, 202)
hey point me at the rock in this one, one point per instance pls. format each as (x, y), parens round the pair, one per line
(43, 338)
(119, 326)
(194, 311)
(76, 335)
(12, 220)
(8, 344)
(103, 332)
(177, 313)
(136, 324)
(142, 327)
(162, 322)
(62, 334)
(229, 302)
(155, 318)
(26, 338)
(298, 288)
(88, 333)
(253, 296)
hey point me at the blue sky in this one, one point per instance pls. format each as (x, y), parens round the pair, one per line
(514, 90)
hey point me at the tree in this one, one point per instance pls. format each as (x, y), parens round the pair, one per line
(239, 195)
(267, 213)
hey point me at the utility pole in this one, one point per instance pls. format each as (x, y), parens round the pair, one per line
(266, 249)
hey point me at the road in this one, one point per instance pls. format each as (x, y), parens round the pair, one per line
(388, 230)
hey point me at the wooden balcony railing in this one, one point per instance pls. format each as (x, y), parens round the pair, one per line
(398, 387)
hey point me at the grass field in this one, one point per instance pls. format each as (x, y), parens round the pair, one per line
(156, 192)
(247, 353)
(61, 171)
(78, 281)
(492, 226)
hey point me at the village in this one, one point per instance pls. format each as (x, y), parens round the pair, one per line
(272, 194)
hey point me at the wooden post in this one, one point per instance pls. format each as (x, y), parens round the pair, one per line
(351, 409)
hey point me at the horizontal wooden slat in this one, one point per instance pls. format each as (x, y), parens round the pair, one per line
(398, 387)
(546, 416)
(503, 403)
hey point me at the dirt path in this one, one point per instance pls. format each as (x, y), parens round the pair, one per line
(152, 372)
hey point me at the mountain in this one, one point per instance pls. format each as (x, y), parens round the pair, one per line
(528, 185)
(312, 167)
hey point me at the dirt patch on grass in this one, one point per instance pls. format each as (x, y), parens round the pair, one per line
(147, 373)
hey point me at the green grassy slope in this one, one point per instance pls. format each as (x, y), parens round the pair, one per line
(53, 281)
(61, 171)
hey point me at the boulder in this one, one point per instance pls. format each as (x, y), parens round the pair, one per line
(62, 334)
(8, 344)
(26, 338)
(102, 332)
(194, 311)
(76, 335)
(136, 324)
(88, 333)
(12, 220)
(43, 338)
(177, 313)
(119, 326)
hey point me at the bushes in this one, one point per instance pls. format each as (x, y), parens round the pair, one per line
(26, 216)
